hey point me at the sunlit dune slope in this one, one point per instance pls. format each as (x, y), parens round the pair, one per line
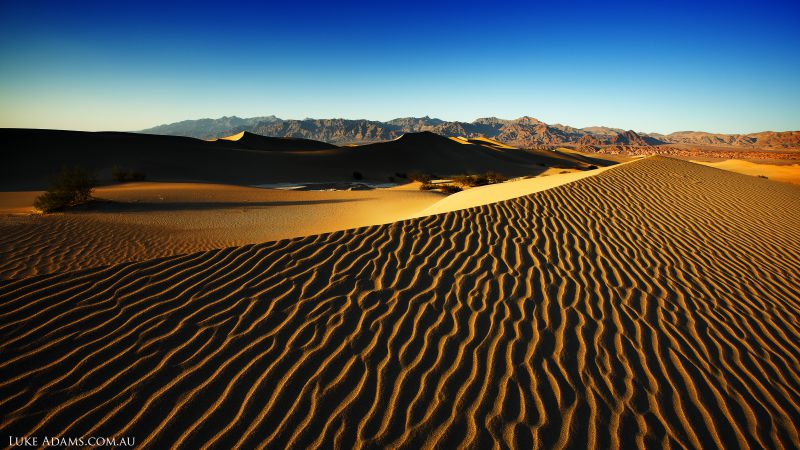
(137, 221)
(483, 195)
(654, 304)
(787, 173)
(490, 142)
(253, 141)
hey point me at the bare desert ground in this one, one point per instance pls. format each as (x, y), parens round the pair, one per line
(653, 304)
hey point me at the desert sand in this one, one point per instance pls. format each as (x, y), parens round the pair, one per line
(653, 304)
(787, 173)
(484, 195)
(137, 221)
(198, 201)
(37, 155)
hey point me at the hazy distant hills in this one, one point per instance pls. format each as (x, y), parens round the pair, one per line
(523, 132)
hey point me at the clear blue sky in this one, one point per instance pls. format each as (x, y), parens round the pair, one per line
(650, 66)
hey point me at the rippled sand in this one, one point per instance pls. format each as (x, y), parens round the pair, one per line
(653, 304)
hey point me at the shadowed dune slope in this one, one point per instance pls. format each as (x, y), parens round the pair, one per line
(253, 141)
(655, 303)
(429, 152)
(37, 155)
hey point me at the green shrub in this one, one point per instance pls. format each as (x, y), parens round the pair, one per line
(72, 187)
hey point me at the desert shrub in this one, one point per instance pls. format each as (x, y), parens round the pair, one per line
(73, 186)
(479, 180)
(592, 167)
(391, 179)
(764, 177)
(137, 176)
(401, 175)
(464, 180)
(421, 177)
(443, 187)
(358, 175)
(449, 188)
(494, 178)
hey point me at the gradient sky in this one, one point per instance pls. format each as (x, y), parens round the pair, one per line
(655, 66)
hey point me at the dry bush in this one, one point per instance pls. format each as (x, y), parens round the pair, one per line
(72, 187)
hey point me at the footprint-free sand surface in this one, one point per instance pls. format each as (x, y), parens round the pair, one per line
(149, 220)
(483, 195)
(787, 173)
(654, 304)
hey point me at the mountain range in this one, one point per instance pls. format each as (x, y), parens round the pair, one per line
(524, 132)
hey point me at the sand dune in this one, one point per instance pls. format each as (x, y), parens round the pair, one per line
(253, 141)
(484, 195)
(787, 173)
(233, 137)
(150, 220)
(654, 304)
(491, 142)
(37, 155)
(204, 216)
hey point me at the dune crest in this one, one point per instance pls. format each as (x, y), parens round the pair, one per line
(234, 137)
(493, 193)
(651, 305)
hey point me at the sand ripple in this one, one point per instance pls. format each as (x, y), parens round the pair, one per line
(654, 304)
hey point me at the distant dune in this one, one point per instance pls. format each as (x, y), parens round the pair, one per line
(37, 155)
(252, 141)
(787, 173)
(654, 304)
